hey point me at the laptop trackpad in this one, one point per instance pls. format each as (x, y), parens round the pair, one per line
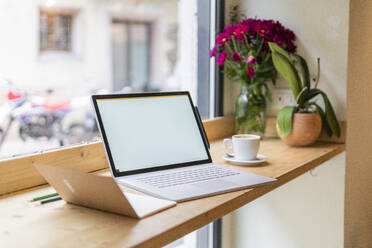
(215, 185)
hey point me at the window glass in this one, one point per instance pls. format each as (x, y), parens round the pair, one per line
(55, 53)
(55, 31)
(58, 52)
(131, 52)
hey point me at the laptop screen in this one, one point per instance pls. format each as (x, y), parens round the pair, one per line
(151, 131)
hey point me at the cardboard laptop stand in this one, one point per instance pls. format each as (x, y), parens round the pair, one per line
(100, 192)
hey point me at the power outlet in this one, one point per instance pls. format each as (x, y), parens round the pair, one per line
(281, 98)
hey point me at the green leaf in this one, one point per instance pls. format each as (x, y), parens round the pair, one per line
(307, 96)
(331, 116)
(288, 72)
(324, 119)
(304, 71)
(312, 93)
(301, 96)
(277, 49)
(285, 121)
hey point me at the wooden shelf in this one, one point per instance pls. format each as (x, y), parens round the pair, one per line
(63, 225)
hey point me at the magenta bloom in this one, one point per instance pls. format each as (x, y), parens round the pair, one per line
(278, 39)
(249, 23)
(251, 37)
(212, 53)
(240, 31)
(229, 30)
(221, 58)
(222, 38)
(236, 57)
(251, 60)
(260, 29)
(250, 72)
(270, 31)
(256, 29)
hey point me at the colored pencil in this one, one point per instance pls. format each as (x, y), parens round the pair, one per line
(51, 200)
(43, 197)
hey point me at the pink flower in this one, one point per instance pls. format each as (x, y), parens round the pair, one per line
(221, 58)
(269, 31)
(222, 38)
(229, 30)
(249, 23)
(212, 53)
(251, 60)
(278, 39)
(248, 34)
(236, 57)
(240, 31)
(260, 29)
(250, 72)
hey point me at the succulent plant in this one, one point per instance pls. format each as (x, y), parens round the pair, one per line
(303, 93)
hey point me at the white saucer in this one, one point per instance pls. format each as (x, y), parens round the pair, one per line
(258, 160)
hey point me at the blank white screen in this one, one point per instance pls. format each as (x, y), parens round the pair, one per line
(151, 131)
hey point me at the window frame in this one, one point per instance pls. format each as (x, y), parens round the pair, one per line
(214, 95)
(129, 23)
(204, 63)
(215, 101)
(213, 12)
(219, 23)
(56, 11)
(219, 77)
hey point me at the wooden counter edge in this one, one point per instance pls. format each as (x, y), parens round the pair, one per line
(17, 174)
(245, 197)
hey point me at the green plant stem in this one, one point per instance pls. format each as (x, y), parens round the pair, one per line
(267, 56)
(235, 45)
(228, 47)
(260, 47)
(246, 42)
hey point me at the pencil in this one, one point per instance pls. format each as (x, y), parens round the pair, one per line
(51, 200)
(43, 197)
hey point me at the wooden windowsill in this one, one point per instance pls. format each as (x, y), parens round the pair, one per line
(63, 225)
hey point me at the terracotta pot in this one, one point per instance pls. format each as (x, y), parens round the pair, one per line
(306, 128)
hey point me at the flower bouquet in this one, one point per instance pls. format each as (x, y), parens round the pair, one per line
(242, 49)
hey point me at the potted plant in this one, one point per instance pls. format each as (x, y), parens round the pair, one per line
(301, 125)
(242, 49)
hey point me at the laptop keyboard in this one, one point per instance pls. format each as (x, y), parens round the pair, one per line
(187, 176)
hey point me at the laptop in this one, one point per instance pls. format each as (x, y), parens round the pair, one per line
(155, 143)
(99, 192)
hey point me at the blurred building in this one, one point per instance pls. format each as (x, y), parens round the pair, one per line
(73, 46)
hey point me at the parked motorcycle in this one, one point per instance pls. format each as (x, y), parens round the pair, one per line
(15, 99)
(87, 129)
(38, 120)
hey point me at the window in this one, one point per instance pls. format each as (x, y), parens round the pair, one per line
(116, 46)
(55, 30)
(131, 44)
(112, 47)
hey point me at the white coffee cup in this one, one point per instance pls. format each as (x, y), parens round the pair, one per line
(244, 146)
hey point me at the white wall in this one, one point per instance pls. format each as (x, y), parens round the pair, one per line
(22, 62)
(304, 213)
(307, 212)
